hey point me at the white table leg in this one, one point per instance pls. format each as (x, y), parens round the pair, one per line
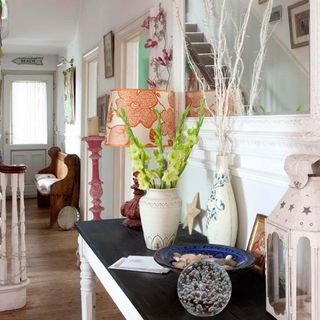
(87, 287)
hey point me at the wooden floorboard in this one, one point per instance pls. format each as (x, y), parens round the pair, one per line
(54, 291)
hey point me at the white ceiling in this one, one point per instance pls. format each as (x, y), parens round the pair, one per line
(41, 26)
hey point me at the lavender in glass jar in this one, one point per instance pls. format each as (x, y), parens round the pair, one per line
(204, 288)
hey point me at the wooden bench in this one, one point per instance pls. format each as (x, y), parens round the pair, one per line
(58, 185)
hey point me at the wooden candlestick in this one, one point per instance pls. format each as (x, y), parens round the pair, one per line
(94, 146)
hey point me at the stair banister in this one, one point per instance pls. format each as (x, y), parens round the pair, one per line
(13, 274)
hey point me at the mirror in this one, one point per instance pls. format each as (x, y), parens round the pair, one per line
(284, 81)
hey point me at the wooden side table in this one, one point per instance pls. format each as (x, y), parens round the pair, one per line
(94, 146)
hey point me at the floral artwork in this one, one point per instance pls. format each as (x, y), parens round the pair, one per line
(170, 168)
(69, 95)
(161, 63)
(257, 242)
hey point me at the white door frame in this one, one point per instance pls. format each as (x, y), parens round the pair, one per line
(122, 38)
(85, 199)
(40, 149)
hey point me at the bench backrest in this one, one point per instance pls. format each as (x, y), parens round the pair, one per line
(61, 169)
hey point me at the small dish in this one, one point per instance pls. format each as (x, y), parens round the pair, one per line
(243, 258)
(67, 217)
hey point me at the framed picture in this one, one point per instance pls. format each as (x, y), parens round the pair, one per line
(299, 23)
(256, 243)
(262, 1)
(102, 111)
(108, 46)
(69, 95)
(276, 14)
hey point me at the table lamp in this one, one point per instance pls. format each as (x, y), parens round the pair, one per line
(139, 105)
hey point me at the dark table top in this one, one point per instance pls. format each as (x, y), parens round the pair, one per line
(155, 295)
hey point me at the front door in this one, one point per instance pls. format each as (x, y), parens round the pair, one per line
(27, 123)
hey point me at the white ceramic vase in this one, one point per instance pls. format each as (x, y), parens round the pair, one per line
(222, 217)
(160, 211)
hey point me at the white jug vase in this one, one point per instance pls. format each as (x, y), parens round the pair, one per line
(222, 217)
(160, 211)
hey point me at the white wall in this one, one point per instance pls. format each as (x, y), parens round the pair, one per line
(97, 17)
(260, 145)
(49, 66)
(49, 63)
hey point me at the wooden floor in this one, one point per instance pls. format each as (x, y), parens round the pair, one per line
(54, 291)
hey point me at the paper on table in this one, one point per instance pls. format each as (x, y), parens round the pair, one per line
(139, 263)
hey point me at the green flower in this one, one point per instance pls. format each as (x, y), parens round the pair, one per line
(175, 156)
(152, 174)
(159, 157)
(134, 152)
(137, 165)
(192, 140)
(170, 177)
(167, 173)
(143, 181)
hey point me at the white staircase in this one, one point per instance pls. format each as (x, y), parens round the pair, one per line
(202, 54)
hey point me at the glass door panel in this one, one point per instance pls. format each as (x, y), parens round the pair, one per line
(276, 273)
(303, 276)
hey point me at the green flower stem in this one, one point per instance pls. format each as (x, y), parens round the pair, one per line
(178, 136)
(194, 131)
(159, 155)
(136, 142)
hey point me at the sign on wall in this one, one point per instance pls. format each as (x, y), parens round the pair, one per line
(37, 61)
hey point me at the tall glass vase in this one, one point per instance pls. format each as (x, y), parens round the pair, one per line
(222, 217)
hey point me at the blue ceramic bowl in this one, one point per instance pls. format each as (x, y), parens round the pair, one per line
(243, 258)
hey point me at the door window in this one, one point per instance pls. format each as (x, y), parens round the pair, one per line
(29, 112)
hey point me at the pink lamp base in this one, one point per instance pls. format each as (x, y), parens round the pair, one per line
(130, 209)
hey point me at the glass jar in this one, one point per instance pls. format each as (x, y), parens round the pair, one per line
(204, 288)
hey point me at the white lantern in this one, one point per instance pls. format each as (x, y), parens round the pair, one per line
(293, 244)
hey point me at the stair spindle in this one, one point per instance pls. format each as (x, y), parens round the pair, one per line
(3, 256)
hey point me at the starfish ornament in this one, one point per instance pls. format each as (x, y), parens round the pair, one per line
(192, 212)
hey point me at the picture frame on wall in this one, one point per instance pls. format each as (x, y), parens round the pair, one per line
(262, 1)
(256, 244)
(69, 95)
(299, 24)
(108, 46)
(276, 14)
(102, 111)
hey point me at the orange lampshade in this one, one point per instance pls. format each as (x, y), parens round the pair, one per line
(139, 105)
(193, 100)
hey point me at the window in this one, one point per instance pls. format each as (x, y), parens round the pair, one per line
(29, 112)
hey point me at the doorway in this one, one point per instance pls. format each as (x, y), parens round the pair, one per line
(27, 123)
(131, 67)
(89, 101)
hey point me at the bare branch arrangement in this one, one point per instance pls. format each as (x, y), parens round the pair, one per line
(228, 63)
